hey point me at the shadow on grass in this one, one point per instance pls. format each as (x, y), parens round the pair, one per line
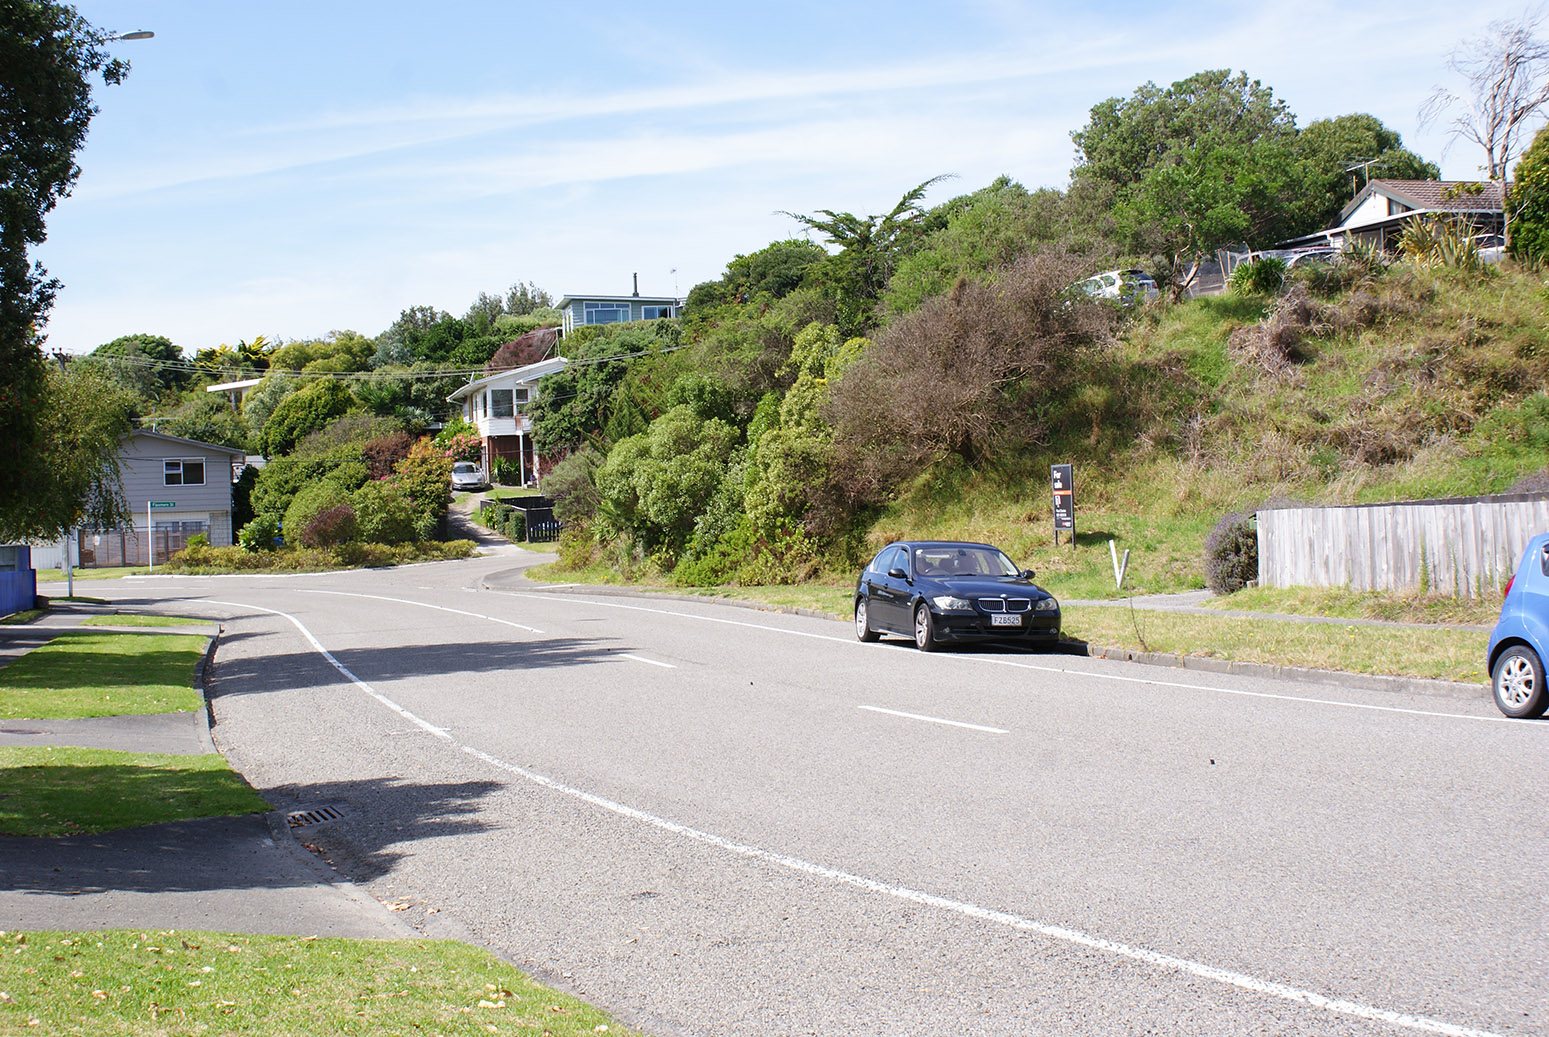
(235, 852)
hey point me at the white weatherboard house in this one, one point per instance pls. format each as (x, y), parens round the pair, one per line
(496, 405)
(176, 488)
(1378, 212)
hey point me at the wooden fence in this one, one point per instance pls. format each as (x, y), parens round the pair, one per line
(1465, 547)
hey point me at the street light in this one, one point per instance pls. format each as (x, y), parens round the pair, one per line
(138, 34)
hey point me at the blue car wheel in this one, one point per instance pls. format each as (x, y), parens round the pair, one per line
(1518, 683)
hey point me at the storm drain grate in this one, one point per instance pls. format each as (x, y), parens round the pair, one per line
(315, 816)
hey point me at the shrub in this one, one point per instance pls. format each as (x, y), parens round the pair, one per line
(308, 503)
(1232, 553)
(383, 513)
(383, 452)
(426, 478)
(199, 540)
(330, 527)
(507, 472)
(259, 534)
(1259, 277)
(307, 410)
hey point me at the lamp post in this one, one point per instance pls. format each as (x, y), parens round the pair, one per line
(138, 34)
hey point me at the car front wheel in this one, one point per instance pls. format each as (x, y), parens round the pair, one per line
(863, 629)
(924, 629)
(1518, 683)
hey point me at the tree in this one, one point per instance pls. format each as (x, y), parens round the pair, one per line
(301, 412)
(1126, 137)
(1505, 70)
(1331, 146)
(870, 248)
(1529, 201)
(48, 56)
(75, 478)
(1207, 161)
(152, 360)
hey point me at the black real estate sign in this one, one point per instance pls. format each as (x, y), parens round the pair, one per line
(1063, 483)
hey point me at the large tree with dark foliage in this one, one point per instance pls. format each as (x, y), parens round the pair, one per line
(49, 56)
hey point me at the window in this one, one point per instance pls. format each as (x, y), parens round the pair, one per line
(521, 394)
(605, 312)
(500, 403)
(183, 472)
(655, 312)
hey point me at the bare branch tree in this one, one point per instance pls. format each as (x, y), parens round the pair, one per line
(1506, 69)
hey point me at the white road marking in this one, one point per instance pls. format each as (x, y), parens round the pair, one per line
(1074, 937)
(936, 720)
(423, 605)
(939, 658)
(648, 662)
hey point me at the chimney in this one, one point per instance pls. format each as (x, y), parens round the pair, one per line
(637, 286)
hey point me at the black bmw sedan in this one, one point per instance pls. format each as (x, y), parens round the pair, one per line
(944, 592)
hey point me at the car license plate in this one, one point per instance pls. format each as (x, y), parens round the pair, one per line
(1005, 620)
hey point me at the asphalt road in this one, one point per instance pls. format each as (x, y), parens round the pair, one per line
(711, 820)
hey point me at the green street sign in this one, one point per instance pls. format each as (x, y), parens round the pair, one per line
(163, 503)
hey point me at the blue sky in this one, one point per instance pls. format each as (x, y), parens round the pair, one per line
(288, 169)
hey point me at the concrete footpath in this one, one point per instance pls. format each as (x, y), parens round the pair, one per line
(242, 874)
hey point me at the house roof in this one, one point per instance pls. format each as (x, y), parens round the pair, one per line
(515, 376)
(652, 300)
(244, 383)
(1432, 195)
(164, 438)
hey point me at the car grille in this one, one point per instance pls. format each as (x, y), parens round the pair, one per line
(1005, 604)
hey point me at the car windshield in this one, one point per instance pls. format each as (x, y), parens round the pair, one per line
(464, 467)
(962, 560)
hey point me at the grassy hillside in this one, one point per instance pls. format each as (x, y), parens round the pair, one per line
(1369, 386)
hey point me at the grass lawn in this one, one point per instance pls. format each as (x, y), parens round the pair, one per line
(1455, 655)
(105, 573)
(169, 984)
(61, 790)
(106, 674)
(125, 619)
(1328, 601)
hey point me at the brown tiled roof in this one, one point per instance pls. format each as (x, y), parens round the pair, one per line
(1445, 195)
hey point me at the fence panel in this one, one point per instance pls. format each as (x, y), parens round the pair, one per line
(1466, 547)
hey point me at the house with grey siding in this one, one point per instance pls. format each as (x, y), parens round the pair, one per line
(175, 488)
(614, 309)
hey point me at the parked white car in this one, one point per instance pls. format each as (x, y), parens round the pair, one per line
(467, 476)
(1491, 247)
(1123, 286)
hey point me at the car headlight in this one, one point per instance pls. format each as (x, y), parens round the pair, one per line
(1049, 604)
(947, 601)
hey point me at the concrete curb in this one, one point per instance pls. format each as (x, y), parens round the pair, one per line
(201, 672)
(1198, 663)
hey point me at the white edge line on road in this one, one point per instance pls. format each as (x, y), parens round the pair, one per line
(648, 662)
(1054, 932)
(423, 605)
(936, 720)
(991, 661)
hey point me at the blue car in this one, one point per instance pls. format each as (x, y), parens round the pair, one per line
(1520, 640)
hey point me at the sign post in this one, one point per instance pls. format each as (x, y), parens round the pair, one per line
(150, 527)
(1063, 482)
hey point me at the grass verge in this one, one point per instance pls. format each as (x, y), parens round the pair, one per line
(106, 674)
(125, 619)
(1439, 653)
(1324, 601)
(58, 790)
(104, 573)
(137, 982)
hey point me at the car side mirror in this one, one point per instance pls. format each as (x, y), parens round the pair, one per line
(1028, 574)
(896, 573)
